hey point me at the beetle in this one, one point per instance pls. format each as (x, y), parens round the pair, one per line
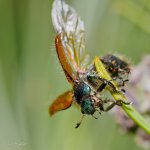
(70, 48)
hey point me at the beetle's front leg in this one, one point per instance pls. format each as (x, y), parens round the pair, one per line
(93, 78)
(114, 103)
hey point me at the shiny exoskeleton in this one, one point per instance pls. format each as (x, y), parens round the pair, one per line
(85, 94)
(82, 96)
(83, 91)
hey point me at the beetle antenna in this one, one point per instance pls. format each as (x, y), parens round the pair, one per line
(79, 123)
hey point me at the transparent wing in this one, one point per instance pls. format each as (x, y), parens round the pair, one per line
(70, 41)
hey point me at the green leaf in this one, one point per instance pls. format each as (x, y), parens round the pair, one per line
(129, 109)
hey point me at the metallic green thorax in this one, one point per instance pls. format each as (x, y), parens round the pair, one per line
(87, 106)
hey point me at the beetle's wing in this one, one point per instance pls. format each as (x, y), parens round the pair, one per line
(62, 102)
(70, 38)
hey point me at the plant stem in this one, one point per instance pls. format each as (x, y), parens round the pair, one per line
(129, 109)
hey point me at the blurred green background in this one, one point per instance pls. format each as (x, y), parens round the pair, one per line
(31, 76)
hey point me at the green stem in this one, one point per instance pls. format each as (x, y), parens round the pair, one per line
(129, 109)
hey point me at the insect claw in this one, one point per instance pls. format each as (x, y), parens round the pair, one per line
(123, 90)
(129, 103)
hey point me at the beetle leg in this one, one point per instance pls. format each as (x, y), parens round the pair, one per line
(92, 79)
(118, 102)
(106, 83)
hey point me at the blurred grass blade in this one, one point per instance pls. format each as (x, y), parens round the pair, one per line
(134, 13)
(129, 109)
